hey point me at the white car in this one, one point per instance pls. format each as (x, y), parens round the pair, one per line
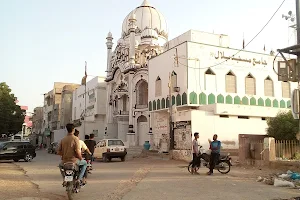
(110, 148)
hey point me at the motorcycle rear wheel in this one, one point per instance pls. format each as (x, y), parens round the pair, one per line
(224, 167)
(70, 191)
(190, 167)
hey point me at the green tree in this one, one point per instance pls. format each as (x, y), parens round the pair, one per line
(283, 126)
(11, 115)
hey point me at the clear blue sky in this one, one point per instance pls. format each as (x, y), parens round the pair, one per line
(46, 41)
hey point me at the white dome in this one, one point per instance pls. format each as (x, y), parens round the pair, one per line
(146, 17)
(149, 33)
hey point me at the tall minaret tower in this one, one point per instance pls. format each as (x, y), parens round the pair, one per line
(109, 111)
(109, 44)
(132, 28)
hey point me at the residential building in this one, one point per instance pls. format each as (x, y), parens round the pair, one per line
(37, 125)
(213, 92)
(52, 109)
(144, 32)
(89, 108)
(66, 105)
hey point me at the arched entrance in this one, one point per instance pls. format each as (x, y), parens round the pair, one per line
(142, 130)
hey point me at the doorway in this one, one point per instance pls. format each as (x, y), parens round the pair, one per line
(142, 130)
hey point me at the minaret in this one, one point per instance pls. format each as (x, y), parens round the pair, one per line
(132, 28)
(109, 44)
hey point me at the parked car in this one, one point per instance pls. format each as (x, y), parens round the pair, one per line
(13, 150)
(110, 148)
(53, 148)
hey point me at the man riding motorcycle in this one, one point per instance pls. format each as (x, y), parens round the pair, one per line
(70, 151)
(84, 149)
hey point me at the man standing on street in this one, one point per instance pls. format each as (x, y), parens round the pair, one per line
(215, 147)
(69, 149)
(195, 153)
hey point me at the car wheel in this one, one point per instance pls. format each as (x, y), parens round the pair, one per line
(28, 157)
(123, 158)
(16, 160)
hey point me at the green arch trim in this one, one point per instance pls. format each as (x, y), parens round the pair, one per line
(260, 102)
(268, 102)
(150, 106)
(193, 98)
(288, 104)
(184, 99)
(154, 105)
(211, 99)
(173, 100)
(282, 104)
(163, 103)
(228, 99)
(220, 98)
(158, 104)
(178, 100)
(202, 98)
(237, 100)
(245, 101)
(253, 101)
(275, 103)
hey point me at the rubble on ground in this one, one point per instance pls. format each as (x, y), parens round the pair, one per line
(288, 179)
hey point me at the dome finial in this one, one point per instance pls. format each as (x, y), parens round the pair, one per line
(145, 3)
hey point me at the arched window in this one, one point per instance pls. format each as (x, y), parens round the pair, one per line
(125, 101)
(269, 88)
(230, 80)
(250, 88)
(142, 93)
(286, 89)
(210, 80)
(158, 87)
(174, 79)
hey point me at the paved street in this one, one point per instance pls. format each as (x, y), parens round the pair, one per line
(138, 179)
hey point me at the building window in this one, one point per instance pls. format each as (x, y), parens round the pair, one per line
(142, 93)
(124, 99)
(250, 88)
(210, 80)
(286, 90)
(269, 88)
(230, 82)
(158, 87)
(174, 79)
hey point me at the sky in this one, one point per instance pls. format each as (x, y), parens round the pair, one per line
(47, 41)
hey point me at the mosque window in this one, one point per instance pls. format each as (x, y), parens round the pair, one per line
(230, 82)
(250, 88)
(158, 87)
(142, 93)
(269, 88)
(210, 80)
(286, 90)
(174, 79)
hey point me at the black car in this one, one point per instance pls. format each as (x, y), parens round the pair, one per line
(16, 151)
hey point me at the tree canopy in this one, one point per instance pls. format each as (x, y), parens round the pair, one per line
(283, 126)
(11, 115)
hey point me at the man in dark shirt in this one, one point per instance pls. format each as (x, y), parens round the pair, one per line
(90, 143)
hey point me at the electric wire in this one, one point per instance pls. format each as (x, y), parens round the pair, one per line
(247, 43)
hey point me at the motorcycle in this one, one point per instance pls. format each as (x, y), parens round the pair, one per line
(223, 165)
(71, 173)
(88, 159)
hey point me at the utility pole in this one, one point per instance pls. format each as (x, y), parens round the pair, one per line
(291, 69)
(298, 56)
(171, 113)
